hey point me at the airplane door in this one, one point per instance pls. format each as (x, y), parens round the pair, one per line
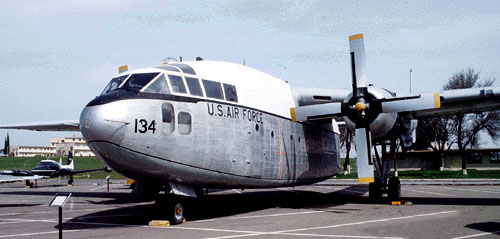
(256, 163)
(168, 119)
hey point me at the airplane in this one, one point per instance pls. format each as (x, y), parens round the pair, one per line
(47, 168)
(182, 127)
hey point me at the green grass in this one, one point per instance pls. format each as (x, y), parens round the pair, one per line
(433, 174)
(424, 174)
(81, 163)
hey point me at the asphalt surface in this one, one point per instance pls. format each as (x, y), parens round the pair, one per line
(331, 209)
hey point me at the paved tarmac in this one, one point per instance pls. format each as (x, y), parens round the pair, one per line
(331, 209)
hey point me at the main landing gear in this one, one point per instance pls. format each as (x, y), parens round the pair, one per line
(392, 189)
(70, 181)
(384, 184)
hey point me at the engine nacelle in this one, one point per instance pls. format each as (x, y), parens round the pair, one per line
(381, 123)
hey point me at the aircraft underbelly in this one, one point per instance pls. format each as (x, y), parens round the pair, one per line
(224, 145)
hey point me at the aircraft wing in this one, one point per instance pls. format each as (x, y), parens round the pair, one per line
(10, 178)
(105, 169)
(449, 102)
(47, 126)
(473, 100)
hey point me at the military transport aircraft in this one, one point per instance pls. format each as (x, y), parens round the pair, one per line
(47, 168)
(186, 126)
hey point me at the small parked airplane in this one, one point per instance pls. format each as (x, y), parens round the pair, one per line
(186, 126)
(46, 168)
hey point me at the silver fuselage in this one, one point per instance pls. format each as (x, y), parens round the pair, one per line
(202, 142)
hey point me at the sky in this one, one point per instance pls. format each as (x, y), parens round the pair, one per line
(56, 56)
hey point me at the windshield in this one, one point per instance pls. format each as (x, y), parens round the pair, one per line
(46, 166)
(113, 84)
(136, 81)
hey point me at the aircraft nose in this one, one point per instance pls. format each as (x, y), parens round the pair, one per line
(104, 122)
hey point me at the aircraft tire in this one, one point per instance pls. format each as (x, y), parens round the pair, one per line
(70, 182)
(375, 190)
(175, 210)
(394, 189)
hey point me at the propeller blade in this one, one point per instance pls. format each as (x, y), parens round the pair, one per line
(358, 63)
(315, 112)
(411, 103)
(363, 155)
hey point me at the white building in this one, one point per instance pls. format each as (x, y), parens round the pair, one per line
(62, 146)
(59, 147)
(31, 151)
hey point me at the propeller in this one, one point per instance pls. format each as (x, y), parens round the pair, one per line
(361, 111)
(363, 107)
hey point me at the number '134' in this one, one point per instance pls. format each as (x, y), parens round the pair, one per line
(142, 126)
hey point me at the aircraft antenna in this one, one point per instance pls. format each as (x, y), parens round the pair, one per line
(410, 80)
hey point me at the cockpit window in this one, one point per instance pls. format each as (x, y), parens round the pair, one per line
(194, 86)
(136, 81)
(185, 68)
(168, 68)
(114, 84)
(177, 84)
(230, 91)
(47, 166)
(158, 86)
(213, 89)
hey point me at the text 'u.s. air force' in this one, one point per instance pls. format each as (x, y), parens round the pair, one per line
(233, 112)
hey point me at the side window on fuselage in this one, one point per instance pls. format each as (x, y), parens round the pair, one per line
(184, 123)
(168, 117)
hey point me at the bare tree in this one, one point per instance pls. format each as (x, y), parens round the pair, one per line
(464, 129)
(346, 141)
(433, 133)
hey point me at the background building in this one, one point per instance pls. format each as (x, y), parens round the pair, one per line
(429, 160)
(62, 146)
(58, 147)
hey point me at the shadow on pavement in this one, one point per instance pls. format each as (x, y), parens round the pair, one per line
(222, 205)
(492, 227)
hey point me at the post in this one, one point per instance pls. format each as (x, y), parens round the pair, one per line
(60, 223)
(107, 180)
(59, 200)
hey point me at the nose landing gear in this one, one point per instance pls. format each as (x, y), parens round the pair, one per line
(171, 207)
(173, 202)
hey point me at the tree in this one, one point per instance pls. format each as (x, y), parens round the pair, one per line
(345, 141)
(433, 133)
(464, 128)
(6, 145)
